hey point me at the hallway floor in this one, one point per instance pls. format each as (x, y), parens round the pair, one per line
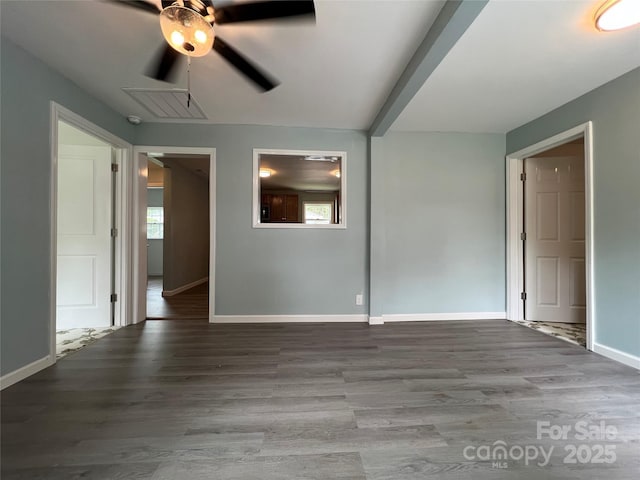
(192, 304)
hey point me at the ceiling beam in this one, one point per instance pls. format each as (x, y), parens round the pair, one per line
(452, 21)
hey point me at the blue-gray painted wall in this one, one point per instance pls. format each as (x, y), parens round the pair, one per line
(27, 87)
(278, 271)
(614, 109)
(441, 200)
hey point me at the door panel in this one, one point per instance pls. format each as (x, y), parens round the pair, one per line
(73, 273)
(76, 183)
(547, 281)
(555, 249)
(578, 293)
(547, 216)
(84, 237)
(577, 231)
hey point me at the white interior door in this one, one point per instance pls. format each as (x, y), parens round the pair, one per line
(84, 237)
(555, 239)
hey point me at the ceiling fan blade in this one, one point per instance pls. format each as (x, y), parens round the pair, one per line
(247, 12)
(137, 4)
(163, 65)
(245, 67)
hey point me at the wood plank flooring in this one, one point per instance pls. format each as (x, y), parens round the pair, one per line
(191, 304)
(187, 400)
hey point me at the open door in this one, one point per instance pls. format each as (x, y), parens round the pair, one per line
(555, 282)
(84, 241)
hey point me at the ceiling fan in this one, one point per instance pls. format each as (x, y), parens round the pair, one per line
(187, 26)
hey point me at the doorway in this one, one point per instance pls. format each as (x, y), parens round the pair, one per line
(176, 245)
(549, 220)
(554, 242)
(88, 246)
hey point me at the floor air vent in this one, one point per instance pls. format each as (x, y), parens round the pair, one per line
(167, 104)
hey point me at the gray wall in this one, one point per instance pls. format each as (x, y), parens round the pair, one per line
(278, 271)
(186, 227)
(614, 109)
(27, 87)
(442, 207)
(154, 248)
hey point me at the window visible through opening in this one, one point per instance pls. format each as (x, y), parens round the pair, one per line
(155, 223)
(318, 213)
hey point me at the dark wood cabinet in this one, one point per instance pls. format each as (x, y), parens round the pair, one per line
(280, 208)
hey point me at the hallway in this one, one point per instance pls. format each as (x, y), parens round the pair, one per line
(192, 304)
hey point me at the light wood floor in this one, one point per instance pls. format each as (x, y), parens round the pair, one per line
(187, 400)
(191, 304)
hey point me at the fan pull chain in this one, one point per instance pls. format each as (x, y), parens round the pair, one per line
(188, 81)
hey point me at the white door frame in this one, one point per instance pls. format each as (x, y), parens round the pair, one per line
(140, 233)
(122, 272)
(515, 272)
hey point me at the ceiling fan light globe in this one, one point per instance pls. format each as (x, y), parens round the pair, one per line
(197, 34)
(200, 36)
(177, 39)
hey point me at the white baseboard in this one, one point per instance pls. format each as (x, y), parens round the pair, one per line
(288, 318)
(436, 317)
(184, 288)
(24, 372)
(413, 317)
(617, 355)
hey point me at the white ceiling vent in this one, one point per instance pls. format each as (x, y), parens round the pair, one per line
(167, 104)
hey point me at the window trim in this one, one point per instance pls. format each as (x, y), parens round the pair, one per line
(155, 223)
(256, 189)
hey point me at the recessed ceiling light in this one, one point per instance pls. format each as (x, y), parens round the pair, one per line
(617, 14)
(265, 172)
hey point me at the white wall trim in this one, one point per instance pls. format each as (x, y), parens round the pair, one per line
(184, 288)
(139, 258)
(289, 318)
(617, 355)
(515, 276)
(123, 273)
(376, 321)
(436, 317)
(21, 373)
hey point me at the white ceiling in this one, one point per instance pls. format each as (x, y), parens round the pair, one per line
(520, 59)
(336, 73)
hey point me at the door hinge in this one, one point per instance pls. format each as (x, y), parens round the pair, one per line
(114, 167)
(523, 296)
(114, 232)
(523, 177)
(113, 297)
(523, 236)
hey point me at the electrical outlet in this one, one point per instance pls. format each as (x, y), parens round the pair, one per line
(359, 299)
